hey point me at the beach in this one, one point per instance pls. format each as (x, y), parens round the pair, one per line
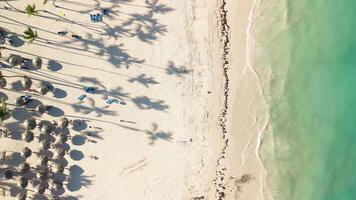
(159, 62)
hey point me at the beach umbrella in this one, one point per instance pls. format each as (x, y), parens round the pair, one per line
(23, 182)
(29, 136)
(43, 160)
(64, 122)
(24, 168)
(22, 100)
(3, 155)
(40, 124)
(47, 129)
(45, 145)
(21, 196)
(57, 185)
(58, 168)
(63, 138)
(43, 173)
(37, 62)
(30, 123)
(26, 83)
(60, 153)
(26, 152)
(2, 82)
(45, 87)
(8, 174)
(14, 60)
(41, 109)
(41, 188)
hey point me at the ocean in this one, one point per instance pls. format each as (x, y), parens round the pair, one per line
(309, 150)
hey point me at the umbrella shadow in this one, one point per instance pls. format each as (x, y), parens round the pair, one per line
(54, 65)
(76, 155)
(17, 41)
(55, 112)
(77, 179)
(79, 125)
(78, 140)
(59, 93)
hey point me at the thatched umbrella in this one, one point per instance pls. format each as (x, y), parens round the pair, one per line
(26, 83)
(3, 155)
(14, 60)
(3, 82)
(24, 168)
(30, 123)
(41, 188)
(58, 168)
(57, 185)
(3, 34)
(29, 136)
(64, 122)
(22, 100)
(45, 145)
(45, 87)
(41, 109)
(40, 124)
(37, 62)
(63, 138)
(43, 173)
(21, 196)
(47, 129)
(23, 182)
(59, 153)
(26, 152)
(8, 174)
(43, 160)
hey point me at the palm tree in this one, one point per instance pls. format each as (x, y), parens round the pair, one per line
(31, 10)
(30, 34)
(4, 111)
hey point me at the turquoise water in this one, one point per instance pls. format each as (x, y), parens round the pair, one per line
(312, 51)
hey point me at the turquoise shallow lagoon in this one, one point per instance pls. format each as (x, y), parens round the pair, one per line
(313, 99)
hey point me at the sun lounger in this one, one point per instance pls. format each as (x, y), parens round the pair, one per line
(90, 90)
(62, 32)
(105, 12)
(82, 97)
(112, 100)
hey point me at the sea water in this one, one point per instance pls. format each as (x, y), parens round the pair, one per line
(310, 47)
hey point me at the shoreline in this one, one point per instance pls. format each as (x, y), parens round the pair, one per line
(248, 112)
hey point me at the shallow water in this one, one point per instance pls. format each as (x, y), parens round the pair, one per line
(311, 48)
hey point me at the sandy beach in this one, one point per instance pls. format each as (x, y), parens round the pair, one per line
(167, 134)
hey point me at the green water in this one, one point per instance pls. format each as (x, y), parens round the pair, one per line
(311, 48)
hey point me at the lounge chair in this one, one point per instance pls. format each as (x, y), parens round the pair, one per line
(82, 97)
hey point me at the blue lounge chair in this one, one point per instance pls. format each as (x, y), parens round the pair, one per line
(105, 12)
(82, 97)
(90, 90)
(112, 100)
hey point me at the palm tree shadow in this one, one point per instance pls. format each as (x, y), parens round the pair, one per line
(154, 134)
(145, 103)
(144, 80)
(175, 70)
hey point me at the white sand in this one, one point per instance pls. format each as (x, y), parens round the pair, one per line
(170, 143)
